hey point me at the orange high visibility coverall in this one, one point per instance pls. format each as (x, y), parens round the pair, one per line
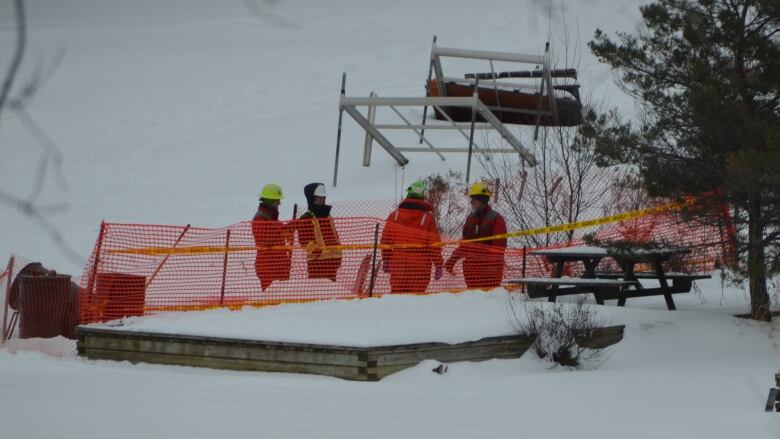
(270, 265)
(410, 269)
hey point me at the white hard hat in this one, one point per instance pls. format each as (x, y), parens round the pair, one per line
(319, 191)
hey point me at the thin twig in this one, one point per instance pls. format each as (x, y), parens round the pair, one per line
(16, 61)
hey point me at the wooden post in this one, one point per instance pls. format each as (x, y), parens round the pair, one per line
(295, 211)
(373, 262)
(165, 259)
(659, 269)
(10, 273)
(224, 268)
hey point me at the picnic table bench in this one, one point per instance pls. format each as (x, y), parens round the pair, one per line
(551, 287)
(680, 281)
(610, 285)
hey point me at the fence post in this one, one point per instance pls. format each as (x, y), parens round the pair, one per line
(525, 251)
(92, 301)
(224, 269)
(373, 261)
(10, 273)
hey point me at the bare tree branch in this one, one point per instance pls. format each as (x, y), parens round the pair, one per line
(16, 61)
(27, 206)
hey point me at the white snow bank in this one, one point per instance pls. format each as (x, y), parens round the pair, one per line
(703, 329)
(392, 319)
(695, 372)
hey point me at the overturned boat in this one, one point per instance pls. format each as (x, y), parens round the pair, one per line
(512, 105)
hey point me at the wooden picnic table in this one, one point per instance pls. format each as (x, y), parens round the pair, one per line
(557, 285)
(610, 285)
(628, 259)
(589, 256)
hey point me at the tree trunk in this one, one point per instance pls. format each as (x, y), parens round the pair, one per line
(759, 297)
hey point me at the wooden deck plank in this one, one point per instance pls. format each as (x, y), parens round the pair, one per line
(346, 372)
(452, 353)
(213, 348)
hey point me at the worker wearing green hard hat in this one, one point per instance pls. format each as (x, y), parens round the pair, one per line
(413, 222)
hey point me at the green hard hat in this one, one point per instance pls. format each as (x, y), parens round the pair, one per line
(418, 189)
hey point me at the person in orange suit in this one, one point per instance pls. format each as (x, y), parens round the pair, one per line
(268, 231)
(483, 261)
(317, 235)
(413, 222)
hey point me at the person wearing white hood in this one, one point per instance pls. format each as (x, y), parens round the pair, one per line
(317, 234)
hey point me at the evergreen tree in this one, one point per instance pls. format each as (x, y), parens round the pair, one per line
(707, 76)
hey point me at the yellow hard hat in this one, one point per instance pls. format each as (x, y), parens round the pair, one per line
(479, 188)
(271, 191)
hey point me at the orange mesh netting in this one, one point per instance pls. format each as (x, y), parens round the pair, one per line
(138, 269)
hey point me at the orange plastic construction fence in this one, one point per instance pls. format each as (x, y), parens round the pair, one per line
(138, 269)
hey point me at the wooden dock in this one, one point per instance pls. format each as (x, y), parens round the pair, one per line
(351, 363)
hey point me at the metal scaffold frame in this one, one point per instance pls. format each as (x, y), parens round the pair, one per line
(373, 130)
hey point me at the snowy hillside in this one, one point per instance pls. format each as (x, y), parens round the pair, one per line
(177, 112)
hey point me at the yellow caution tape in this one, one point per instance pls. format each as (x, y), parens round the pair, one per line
(200, 250)
(625, 216)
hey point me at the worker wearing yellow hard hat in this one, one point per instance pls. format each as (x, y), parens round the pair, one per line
(271, 264)
(271, 192)
(479, 188)
(483, 262)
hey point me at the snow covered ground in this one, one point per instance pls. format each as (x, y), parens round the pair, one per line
(695, 372)
(448, 318)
